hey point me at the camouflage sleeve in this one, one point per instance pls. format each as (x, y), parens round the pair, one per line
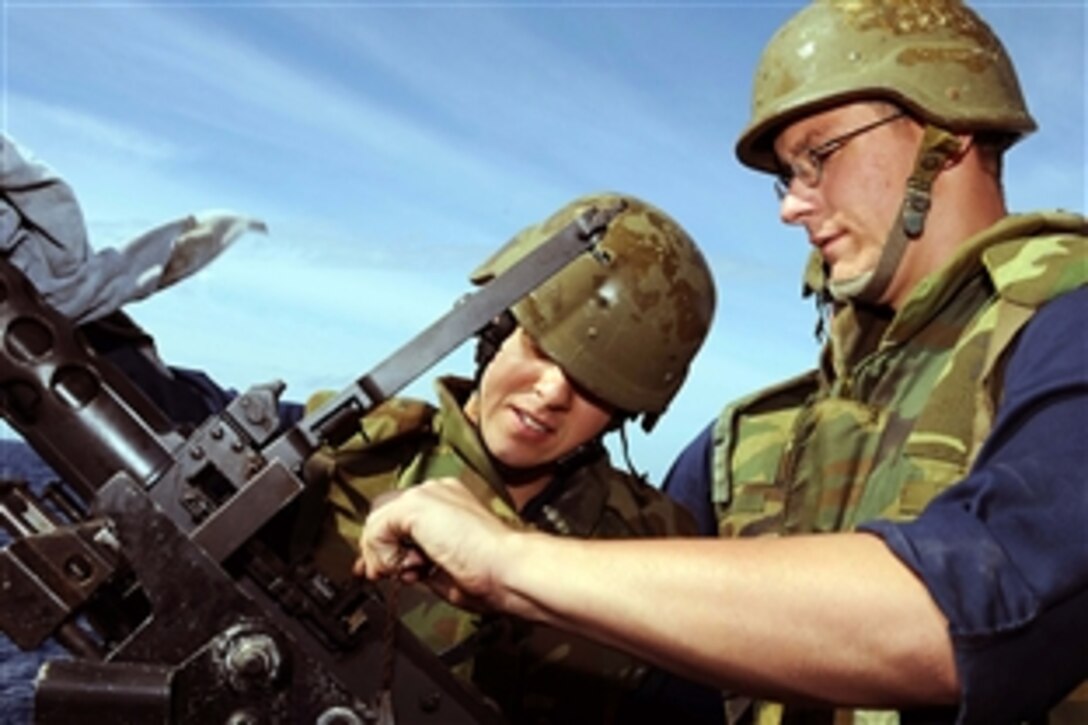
(661, 516)
(644, 511)
(342, 481)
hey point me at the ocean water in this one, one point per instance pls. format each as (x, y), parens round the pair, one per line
(17, 668)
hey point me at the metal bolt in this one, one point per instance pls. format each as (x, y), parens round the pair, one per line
(78, 568)
(242, 717)
(339, 715)
(252, 659)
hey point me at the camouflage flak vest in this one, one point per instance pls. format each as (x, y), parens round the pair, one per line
(535, 674)
(900, 405)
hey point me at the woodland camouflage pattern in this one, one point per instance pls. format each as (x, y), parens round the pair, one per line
(625, 321)
(936, 58)
(534, 673)
(900, 406)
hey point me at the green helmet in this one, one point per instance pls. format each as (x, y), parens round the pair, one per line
(624, 321)
(936, 58)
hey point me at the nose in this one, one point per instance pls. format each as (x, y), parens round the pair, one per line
(796, 204)
(553, 387)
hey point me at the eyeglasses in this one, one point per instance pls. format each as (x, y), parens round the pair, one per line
(808, 166)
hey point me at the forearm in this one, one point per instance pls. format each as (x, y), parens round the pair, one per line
(833, 617)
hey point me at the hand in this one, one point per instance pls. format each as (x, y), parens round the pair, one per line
(438, 533)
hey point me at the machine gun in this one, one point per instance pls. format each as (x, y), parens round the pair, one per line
(154, 559)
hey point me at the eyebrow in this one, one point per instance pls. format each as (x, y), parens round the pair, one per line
(805, 142)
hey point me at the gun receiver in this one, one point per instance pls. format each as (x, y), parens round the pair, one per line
(155, 559)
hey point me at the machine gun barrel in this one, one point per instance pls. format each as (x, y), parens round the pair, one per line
(85, 419)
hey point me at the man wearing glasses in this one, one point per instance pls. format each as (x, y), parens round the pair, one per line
(905, 525)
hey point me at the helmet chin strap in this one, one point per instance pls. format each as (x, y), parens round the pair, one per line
(937, 146)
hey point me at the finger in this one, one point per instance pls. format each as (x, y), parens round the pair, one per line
(377, 558)
(446, 587)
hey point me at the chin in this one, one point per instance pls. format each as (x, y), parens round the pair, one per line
(514, 458)
(530, 461)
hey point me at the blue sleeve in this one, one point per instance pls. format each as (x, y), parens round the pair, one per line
(688, 481)
(1004, 552)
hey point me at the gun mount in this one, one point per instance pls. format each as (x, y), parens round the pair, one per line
(154, 559)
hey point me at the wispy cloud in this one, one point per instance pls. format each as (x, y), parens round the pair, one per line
(391, 147)
(107, 135)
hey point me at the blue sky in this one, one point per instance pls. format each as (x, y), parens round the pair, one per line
(391, 146)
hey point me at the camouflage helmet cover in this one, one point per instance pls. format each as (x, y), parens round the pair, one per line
(624, 321)
(936, 58)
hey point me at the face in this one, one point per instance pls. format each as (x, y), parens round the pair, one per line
(528, 412)
(849, 213)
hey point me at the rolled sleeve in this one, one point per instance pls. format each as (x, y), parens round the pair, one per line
(1004, 552)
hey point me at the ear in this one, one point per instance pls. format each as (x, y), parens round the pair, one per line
(965, 142)
(471, 407)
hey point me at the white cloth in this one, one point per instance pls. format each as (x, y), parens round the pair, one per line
(43, 233)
